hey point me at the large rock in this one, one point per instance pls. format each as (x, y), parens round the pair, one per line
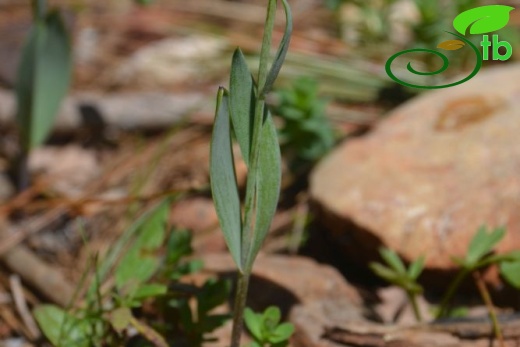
(430, 174)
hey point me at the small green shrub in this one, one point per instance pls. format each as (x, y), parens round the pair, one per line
(306, 134)
(478, 255)
(397, 274)
(266, 329)
(143, 278)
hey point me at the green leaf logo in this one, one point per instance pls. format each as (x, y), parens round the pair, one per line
(451, 45)
(483, 19)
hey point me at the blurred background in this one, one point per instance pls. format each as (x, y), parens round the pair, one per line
(136, 122)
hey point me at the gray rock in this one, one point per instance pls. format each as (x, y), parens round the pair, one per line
(130, 110)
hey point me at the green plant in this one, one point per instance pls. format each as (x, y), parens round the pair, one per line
(478, 256)
(265, 328)
(43, 80)
(144, 280)
(306, 134)
(244, 110)
(397, 274)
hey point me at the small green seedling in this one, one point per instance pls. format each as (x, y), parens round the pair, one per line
(478, 256)
(242, 110)
(306, 134)
(397, 274)
(265, 328)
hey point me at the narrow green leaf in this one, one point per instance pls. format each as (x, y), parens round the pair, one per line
(116, 250)
(268, 182)
(150, 290)
(253, 323)
(483, 243)
(223, 178)
(140, 262)
(497, 258)
(392, 259)
(385, 273)
(242, 103)
(416, 268)
(510, 270)
(282, 50)
(179, 245)
(43, 79)
(483, 19)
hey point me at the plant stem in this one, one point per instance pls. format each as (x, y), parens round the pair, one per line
(484, 293)
(248, 230)
(238, 309)
(413, 299)
(450, 292)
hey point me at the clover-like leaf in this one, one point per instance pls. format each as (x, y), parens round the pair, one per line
(271, 317)
(483, 19)
(451, 45)
(253, 322)
(281, 333)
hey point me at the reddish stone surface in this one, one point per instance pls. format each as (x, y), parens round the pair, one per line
(430, 174)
